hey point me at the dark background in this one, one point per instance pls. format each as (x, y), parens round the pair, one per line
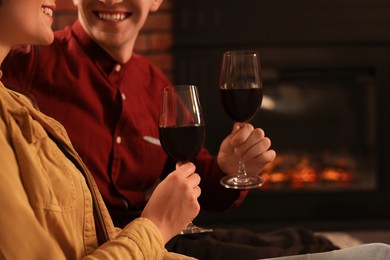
(347, 38)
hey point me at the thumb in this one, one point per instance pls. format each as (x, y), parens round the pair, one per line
(186, 169)
(178, 165)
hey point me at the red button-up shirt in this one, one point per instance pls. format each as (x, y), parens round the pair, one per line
(110, 111)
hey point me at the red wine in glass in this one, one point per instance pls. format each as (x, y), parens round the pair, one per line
(182, 143)
(181, 129)
(241, 94)
(241, 104)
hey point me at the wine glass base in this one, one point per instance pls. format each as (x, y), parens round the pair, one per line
(242, 183)
(193, 229)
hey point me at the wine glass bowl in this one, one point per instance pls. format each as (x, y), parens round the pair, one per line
(181, 125)
(241, 94)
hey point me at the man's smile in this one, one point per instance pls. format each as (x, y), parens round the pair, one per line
(112, 16)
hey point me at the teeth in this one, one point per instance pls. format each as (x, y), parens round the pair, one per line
(112, 17)
(47, 10)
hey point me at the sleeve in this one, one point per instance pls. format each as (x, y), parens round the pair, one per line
(140, 239)
(214, 196)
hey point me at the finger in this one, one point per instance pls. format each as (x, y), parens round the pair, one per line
(255, 139)
(193, 180)
(257, 149)
(197, 191)
(260, 161)
(178, 165)
(236, 128)
(257, 164)
(185, 169)
(256, 136)
(269, 156)
(241, 135)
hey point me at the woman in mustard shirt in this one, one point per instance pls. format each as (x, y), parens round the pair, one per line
(51, 207)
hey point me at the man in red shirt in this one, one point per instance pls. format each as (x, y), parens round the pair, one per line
(107, 98)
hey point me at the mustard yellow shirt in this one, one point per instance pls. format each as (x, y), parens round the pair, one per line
(47, 203)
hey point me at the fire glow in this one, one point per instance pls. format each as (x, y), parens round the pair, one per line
(301, 171)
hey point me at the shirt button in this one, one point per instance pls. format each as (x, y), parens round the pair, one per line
(126, 204)
(123, 96)
(118, 140)
(117, 67)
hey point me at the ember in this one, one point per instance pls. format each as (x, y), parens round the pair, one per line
(303, 171)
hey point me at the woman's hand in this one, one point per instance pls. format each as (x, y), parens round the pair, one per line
(174, 202)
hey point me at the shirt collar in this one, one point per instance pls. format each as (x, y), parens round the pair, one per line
(100, 56)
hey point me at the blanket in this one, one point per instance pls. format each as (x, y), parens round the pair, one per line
(244, 244)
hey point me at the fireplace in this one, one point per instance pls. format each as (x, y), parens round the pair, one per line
(326, 77)
(324, 126)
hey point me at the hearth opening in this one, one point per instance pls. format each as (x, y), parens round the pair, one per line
(323, 124)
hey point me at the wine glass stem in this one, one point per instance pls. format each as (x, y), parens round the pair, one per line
(241, 169)
(241, 165)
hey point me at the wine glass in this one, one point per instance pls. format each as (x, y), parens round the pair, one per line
(181, 129)
(241, 93)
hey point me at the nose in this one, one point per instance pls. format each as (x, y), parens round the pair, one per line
(111, 2)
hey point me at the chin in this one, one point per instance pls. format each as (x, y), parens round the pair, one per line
(37, 40)
(46, 40)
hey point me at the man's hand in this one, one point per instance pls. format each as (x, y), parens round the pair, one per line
(251, 144)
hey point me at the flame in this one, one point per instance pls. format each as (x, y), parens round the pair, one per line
(300, 170)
